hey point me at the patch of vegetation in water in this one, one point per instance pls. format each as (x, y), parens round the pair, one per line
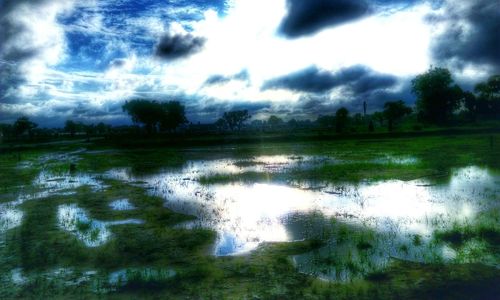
(485, 226)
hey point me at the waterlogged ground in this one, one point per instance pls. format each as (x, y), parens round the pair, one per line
(369, 219)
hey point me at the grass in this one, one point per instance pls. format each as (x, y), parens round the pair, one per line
(435, 159)
(484, 228)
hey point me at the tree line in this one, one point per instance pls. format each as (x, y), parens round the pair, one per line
(440, 101)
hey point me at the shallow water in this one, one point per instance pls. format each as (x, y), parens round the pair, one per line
(92, 233)
(121, 204)
(402, 214)
(364, 225)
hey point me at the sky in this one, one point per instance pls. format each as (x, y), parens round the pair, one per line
(81, 60)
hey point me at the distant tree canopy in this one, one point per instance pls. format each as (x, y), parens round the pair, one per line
(437, 95)
(71, 127)
(23, 125)
(235, 119)
(379, 117)
(274, 121)
(395, 111)
(487, 102)
(174, 114)
(341, 119)
(155, 115)
(326, 121)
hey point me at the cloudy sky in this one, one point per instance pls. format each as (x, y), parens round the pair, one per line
(69, 59)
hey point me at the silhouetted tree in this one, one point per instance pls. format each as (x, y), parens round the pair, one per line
(395, 111)
(358, 119)
(371, 127)
(22, 125)
(220, 124)
(70, 127)
(235, 119)
(146, 112)
(89, 130)
(154, 115)
(274, 121)
(102, 128)
(437, 95)
(173, 115)
(326, 121)
(6, 130)
(471, 104)
(379, 117)
(341, 119)
(488, 97)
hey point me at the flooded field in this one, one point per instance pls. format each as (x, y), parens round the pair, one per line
(122, 221)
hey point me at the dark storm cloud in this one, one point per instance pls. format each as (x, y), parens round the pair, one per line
(178, 46)
(310, 79)
(306, 17)
(10, 79)
(358, 79)
(373, 82)
(221, 79)
(471, 34)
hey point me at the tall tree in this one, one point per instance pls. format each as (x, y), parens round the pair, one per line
(235, 119)
(341, 119)
(173, 115)
(155, 115)
(70, 127)
(471, 104)
(146, 112)
(379, 117)
(395, 111)
(437, 95)
(488, 97)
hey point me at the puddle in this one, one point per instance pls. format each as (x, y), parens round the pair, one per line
(9, 218)
(45, 185)
(399, 212)
(122, 277)
(18, 277)
(399, 160)
(53, 183)
(122, 204)
(92, 233)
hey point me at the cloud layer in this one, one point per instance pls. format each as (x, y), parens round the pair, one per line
(470, 34)
(64, 59)
(358, 79)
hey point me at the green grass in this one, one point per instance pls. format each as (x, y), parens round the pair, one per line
(435, 159)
